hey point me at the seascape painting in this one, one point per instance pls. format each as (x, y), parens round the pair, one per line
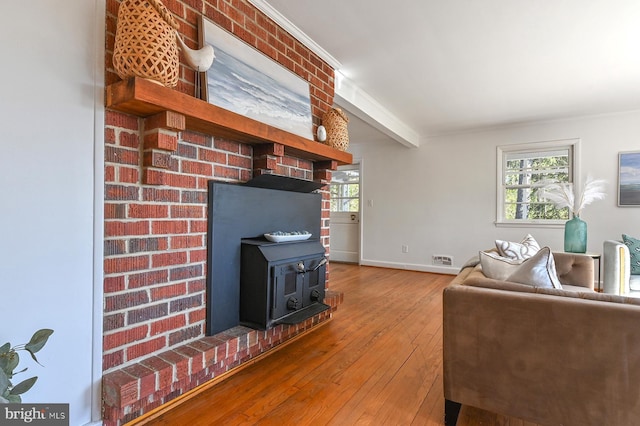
(629, 179)
(247, 82)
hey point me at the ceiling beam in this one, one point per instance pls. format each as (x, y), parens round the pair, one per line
(347, 94)
(362, 105)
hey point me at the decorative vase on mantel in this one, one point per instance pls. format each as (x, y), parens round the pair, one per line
(145, 44)
(575, 235)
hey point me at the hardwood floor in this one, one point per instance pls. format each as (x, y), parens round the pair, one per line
(378, 362)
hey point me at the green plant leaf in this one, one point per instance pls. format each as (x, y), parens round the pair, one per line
(38, 340)
(9, 362)
(14, 399)
(4, 362)
(21, 371)
(4, 382)
(5, 356)
(23, 386)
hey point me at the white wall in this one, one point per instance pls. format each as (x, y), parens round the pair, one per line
(50, 127)
(440, 198)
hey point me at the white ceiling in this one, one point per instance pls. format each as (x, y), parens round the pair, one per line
(446, 66)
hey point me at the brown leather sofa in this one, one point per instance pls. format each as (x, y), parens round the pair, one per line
(567, 356)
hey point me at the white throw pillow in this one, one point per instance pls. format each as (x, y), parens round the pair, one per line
(498, 267)
(538, 271)
(522, 250)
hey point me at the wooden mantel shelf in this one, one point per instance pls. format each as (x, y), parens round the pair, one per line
(144, 98)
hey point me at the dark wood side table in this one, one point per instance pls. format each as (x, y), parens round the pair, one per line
(597, 257)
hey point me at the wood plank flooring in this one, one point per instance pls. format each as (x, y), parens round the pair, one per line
(378, 362)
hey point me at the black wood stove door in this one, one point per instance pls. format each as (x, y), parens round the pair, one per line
(288, 280)
(297, 285)
(314, 281)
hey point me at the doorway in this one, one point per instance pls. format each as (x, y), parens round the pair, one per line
(344, 224)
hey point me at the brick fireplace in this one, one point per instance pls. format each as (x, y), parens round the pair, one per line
(157, 169)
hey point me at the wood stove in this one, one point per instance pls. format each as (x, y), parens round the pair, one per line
(281, 282)
(238, 217)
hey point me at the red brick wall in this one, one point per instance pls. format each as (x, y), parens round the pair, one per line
(155, 235)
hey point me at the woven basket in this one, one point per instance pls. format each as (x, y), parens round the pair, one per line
(335, 121)
(145, 43)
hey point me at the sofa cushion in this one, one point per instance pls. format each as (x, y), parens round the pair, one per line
(522, 250)
(634, 252)
(538, 271)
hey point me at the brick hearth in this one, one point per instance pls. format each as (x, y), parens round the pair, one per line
(139, 388)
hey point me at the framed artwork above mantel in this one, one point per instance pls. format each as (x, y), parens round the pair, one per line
(247, 82)
(629, 179)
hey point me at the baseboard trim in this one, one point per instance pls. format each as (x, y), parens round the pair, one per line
(449, 270)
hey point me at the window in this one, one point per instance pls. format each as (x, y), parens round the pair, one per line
(523, 170)
(345, 190)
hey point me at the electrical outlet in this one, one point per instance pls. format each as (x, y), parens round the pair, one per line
(442, 259)
(405, 249)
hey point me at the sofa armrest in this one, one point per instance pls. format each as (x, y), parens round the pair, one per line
(463, 274)
(616, 268)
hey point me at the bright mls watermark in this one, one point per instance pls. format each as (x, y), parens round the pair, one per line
(34, 414)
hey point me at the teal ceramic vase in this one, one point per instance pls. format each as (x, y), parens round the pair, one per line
(575, 236)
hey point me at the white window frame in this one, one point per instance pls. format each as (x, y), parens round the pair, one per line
(502, 151)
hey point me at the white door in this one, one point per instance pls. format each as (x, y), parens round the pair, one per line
(344, 224)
